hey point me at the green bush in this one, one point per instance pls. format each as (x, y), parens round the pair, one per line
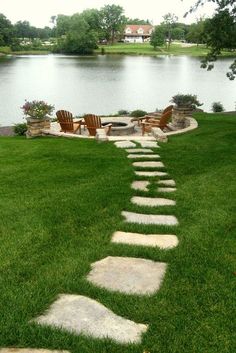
(123, 112)
(20, 129)
(217, 107)
(137, 113)
(189, 100)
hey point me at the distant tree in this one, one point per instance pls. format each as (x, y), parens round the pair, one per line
(6, 31)
(157, 37)
(112, 21)
(197, 32)
(168, 26)
(137, 21)
(221, 32)
(79, 38)
(62, 25)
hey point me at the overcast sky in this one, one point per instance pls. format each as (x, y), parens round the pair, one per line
(38, 12)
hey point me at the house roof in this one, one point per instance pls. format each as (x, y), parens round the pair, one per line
(134, 29)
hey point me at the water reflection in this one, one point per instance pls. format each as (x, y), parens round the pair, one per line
(106, 84)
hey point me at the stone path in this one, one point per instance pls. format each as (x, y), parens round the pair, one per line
(163, 241)
(130, 276)
(160, 220)
(143, 156)
(168, 182)
(140, 185)
(149, 164)
(150, 174)
(166, 189)
(152, 201)
(81, 315)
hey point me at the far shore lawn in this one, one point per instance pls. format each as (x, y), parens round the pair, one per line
(61, 200)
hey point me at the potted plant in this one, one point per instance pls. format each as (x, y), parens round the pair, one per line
(37, 114)
(184, 106)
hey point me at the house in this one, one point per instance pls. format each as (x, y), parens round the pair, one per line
(137, 33)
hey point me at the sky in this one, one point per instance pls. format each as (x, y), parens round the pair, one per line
(38, 12)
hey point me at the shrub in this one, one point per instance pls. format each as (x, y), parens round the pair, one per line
(217, 107)
(20, 129)
(189, 100)
(123, 112)
(138, 113)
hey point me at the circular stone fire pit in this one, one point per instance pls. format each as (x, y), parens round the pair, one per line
(120, 128)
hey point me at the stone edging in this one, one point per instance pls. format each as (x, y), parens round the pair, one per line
(193, 124)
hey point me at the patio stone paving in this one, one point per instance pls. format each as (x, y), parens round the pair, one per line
(140, 185)
(150, 174)
(144, 156)
(166, 182)
(139, 150)
(166, 189)
(149, 164)
(125, 144)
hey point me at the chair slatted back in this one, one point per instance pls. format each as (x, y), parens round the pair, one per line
(164, 119)
(169, 108)
(92, 123)
(65, 119)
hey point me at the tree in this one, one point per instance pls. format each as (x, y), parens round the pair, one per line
(6, 31)
(112, 21)
(168, 25)
(197, 32)
(221, 32)
(157, 37)
(137, 21)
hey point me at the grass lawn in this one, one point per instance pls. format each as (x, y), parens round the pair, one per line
(60, 202)
(147, 49)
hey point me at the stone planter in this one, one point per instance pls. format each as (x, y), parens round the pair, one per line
(35, 126)
(179, 116)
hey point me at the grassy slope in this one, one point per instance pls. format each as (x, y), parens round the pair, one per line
(60, 202)
(147, 49)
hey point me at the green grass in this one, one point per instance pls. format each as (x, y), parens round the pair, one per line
(147, 49)
(61, 201)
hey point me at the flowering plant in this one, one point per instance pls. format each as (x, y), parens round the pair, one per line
(37, 109)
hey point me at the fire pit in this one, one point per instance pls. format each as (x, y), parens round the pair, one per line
(120, 128)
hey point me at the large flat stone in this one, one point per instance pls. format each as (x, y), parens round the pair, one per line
(148, 164)
(166, 189)
(148, 144)
(28, 350)
(139, 150)
(128, 275)
(140, 185)
(143, 156)
(150, 174)
(152, 201)
(163, 241)
(125, 144)
(169, 182)
(140, 218)
(82, 315)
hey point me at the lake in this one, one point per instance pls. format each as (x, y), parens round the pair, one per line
(106, 84)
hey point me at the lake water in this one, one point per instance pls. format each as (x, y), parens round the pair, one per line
(106, 84)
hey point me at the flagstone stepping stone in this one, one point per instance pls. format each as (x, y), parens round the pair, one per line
(150, 174)
(128, 275)
(148, 164)
(140, 185)
(82, 315)
(152, 201)
(149, 144)
(151, 156)
(139, 150)
(28, 350)
(166, 189)
(163, 241)
(125, 144)
(139, 218)
(166, 182)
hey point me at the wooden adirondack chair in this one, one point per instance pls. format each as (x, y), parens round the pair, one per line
(155, 115)
(67, 123)
(93, 122)
(161, 123)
